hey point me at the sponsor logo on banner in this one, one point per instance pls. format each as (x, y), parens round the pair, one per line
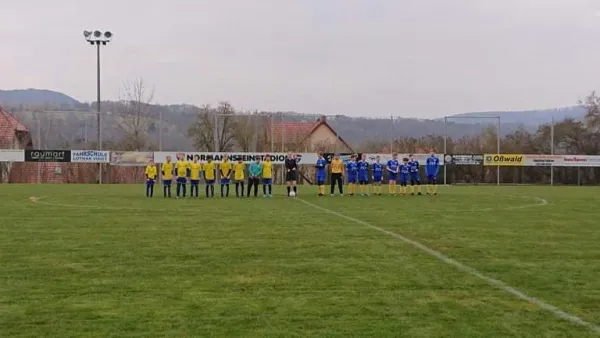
(12, 155)
(277, 158)
(47, 156)
(580, 161)
(503, 160)
(90, 156)
(464, 159)
(421, 158)
(131, 158)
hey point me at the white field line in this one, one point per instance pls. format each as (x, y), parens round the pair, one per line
(469, 270)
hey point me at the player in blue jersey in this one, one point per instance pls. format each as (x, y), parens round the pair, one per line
(352, 170)
(404, 174)
(363, 175)
(392, 171)
(377, 176)
(321, 173)
(415, 180)
(432, 167)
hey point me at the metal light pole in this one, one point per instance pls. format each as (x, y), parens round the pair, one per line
(497, 118)
(552, 151)
(98, 38)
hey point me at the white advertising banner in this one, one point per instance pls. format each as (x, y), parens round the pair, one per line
(90, 156)
(580, 161)
(12, 155)
(422, 158)
(278, 158)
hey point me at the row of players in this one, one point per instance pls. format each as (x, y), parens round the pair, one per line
(359, 172)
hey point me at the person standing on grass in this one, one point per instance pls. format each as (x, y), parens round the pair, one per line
(182, 168)
(151, 173)
(225, 169)
(321, 174)
(167, 175)
(337, 171)
(210, 173)
(363, 175)
(238, 174)
(291, 173)
(254, 174)
(393, 167)
(352, 171)
(195, 169)
(267, 176)
(432, 167)
(415, 180)
(377, 176)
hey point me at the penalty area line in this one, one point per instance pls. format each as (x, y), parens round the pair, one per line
(469, 270)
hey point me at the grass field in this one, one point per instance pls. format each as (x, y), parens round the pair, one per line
(104, 261)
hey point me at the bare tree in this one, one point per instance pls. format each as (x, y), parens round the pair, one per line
(249, 130)
(205, 130)
(134, 113)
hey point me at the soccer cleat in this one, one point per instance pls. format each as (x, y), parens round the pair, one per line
(332, 195)
(419, 194)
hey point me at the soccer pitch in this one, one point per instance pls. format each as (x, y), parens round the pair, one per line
(104, 261)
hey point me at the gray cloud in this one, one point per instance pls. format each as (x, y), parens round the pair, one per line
(420, 58)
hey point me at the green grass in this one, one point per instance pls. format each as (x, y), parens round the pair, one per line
(103, 261)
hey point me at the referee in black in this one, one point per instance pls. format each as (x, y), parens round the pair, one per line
(291, 173)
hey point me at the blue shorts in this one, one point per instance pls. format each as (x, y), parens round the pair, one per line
(267, 181)
(224, 181)
(320, 179)
(415, 177)
(167, 183)
(181, 180)
(351, 179)
(392, 177)
(149, 181)
(194, 182)
(377, 179)
(210, 181)
(432, 177)
(363, 180)
(403, 179)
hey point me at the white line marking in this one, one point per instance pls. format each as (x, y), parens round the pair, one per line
(464, 268)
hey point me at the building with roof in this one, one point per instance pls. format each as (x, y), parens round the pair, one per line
(311, 136)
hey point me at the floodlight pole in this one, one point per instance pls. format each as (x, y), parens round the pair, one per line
(98, 39)
(552, 151)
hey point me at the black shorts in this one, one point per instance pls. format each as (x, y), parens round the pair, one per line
(290, 176)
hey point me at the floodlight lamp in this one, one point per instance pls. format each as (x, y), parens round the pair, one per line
(97, 34)
(108, 35)
(86, 34)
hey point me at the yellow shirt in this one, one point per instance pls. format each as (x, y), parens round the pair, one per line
(267, 169)
(195, 169)
(225, 169)
(151, 172)
(209, 171)
(238, 169)
(337, 166)
(182, 168)
(167, 170)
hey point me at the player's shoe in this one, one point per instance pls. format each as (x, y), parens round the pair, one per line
(419, 194)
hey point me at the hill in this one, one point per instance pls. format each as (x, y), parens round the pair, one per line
(37, 97)
(529, 117)
(79, 124)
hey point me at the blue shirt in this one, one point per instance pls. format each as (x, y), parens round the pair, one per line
(392, 166)
(414, 166)
(404, 169)
(351, 168)
(432, 166)
(321, 164)
(363, 168)
(377, 169)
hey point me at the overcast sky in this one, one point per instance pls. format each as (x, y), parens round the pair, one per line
(413, 58)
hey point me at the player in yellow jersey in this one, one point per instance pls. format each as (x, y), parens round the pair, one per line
(238, 175)
(181, 168)
(210, 176)
(225, 169)
(267, 176)
(151, 173)
(195, 169)
(167, 174)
